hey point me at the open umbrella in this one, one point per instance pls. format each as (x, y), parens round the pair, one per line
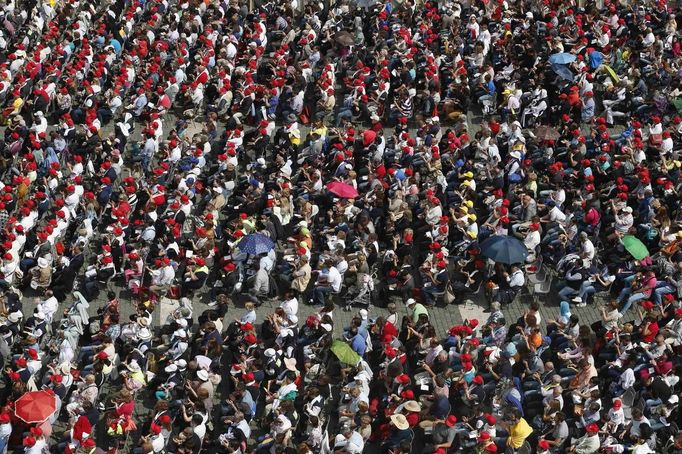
(504, 249)
(562, 58)
(609, 70)
(546, 133)
(635, 247)
(563, 72)
(256, 243)
(345, 354)
(343, 38)
(343, 190)
(35, 406)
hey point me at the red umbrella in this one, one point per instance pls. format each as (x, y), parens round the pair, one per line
(35, 406)
(343, 190)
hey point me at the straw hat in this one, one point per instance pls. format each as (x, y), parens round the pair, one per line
(412, 405)
(400, 421)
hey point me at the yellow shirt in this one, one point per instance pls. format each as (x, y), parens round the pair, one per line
(518, 433)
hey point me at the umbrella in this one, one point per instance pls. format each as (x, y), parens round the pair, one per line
(562, 58)
(563, 72)
(345, 354)
(35, 406)
(504, 249)
(256, 243)
(609, 70)
(635, 247)
(343, 38)
(546, 133)
(343, 190)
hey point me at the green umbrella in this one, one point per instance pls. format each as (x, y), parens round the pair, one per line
(635, 247)
(345, 354)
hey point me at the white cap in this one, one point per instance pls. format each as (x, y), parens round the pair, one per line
(202, 375)
(410, 302)
(364, 314)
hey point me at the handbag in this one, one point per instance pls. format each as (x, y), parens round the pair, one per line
(449, 296)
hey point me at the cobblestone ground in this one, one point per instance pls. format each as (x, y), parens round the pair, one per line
(442, 317)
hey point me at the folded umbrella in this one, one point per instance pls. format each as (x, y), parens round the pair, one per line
(256, 243)
(504, 249)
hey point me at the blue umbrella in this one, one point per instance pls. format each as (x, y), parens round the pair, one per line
(563, 72)
(255, 243)
(504, 249)
(562, 58)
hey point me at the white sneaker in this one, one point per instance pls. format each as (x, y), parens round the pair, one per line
(212, 304)
(582, 304)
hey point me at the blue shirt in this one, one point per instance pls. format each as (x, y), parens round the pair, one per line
(359, 344)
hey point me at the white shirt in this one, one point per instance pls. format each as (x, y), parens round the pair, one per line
(290, 306)
(354, 445)
(517, 279)
(556, 215)
(335, 279)
(587, 249)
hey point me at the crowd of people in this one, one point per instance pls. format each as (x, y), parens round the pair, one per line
(358, 156)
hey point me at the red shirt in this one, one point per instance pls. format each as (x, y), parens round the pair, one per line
(653, 329)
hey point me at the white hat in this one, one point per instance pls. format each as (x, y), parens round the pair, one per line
(144, 334)
(40, 315)
(171, 368)
(133, 366)
(182, 322)
(364, 314)
(290, 363)
(326, 326)
(674, 399)
(202, 375)
(293, 319)
(14, 317)
(627, 209)
(43, 262)
(270, 353)
(181, 333)
(410, 302)
(181, 363)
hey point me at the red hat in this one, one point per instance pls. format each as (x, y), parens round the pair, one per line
(250, 339)
(32, 353)
(491, 420)
(164, 419)
(247, 326)
(408, 394)
(4, 418)
(56, 378)
(492, 447)
(648, 305)
(29, 441)
(477, 379)
(543, 444)
(484, 436)
(37, 431)
(155, 429)
(403, 379)
(451, 420)
(617, 404)
(592, 428)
